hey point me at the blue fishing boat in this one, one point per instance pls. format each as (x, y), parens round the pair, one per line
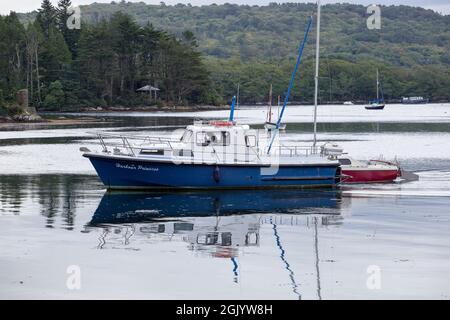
(215, 154)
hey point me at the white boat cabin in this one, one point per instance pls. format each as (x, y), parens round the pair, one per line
(219, 140)
(213, 142)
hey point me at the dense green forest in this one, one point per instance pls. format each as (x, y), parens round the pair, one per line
(198, 55)
(100, 64)
(408, 36)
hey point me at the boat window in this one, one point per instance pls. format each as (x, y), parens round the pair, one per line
(208, 238)
(186, 136)
(183, 153)
(251, 238)
(345, 162)
(183, 226)
(202, 139)
(225, 138)
(250, 141)
(220, 138)
(226, 239)
(152, 151)
(160, 228)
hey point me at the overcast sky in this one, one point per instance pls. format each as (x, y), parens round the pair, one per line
(442, 6)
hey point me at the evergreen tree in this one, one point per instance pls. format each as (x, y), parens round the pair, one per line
(12, 64)
(46, 16)
(2, 102)
(63, 15)
(97, 64)
(126, 37)
(56, 57)
(54, 100)
(189, 38)
(34, 41)
(70, 35)
(148, 63)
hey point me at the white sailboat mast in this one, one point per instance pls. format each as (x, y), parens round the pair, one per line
(237, 98)
(278, 106)
(270, 104)
(316, 78)
(378, 86)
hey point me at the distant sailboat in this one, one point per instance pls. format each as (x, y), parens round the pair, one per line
(269, 125)
(377, 104)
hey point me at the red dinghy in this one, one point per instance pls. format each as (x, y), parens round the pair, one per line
(373, 171)
(360, 171)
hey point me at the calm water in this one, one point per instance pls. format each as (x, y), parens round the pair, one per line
(374, 242)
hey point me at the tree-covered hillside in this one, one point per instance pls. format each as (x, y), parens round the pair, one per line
(255, 46)
(408, 35)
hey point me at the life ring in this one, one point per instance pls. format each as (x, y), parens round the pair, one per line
(221, 123)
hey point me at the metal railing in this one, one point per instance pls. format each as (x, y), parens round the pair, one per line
(135, 145)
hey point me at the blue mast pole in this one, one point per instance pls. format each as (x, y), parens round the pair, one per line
(291, 83)
(233, 103)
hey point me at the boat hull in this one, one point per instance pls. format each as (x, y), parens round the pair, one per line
(135, 173)
(417, 101)
(369, 176)
(375, 107)
(118, 207)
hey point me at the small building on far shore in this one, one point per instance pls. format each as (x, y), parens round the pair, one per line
(150, 89)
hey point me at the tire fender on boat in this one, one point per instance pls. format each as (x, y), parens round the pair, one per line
(216, 174)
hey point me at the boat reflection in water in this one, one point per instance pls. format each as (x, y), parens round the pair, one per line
(218, 224)
(215, 222)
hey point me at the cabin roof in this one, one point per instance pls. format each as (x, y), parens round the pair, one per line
(209, 127)
(148, 88)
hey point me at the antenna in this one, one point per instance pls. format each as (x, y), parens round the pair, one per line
(378, 86)
(269, 116)
(316, 78)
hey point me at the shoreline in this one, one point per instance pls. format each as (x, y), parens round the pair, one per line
(176, 109)
(9, 122)
(90, 115)
(153, 109)
(46, 122)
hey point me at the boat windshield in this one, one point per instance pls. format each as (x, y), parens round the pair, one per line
(219, 138)
(345, 162)
(186, 136)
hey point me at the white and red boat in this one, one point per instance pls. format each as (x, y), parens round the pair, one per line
(372, 171)
(361, 171)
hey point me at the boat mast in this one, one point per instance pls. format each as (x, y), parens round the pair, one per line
(316, 249)
(269, 116)
(233, 103)
(316, 78)
(278, 106)
(378, 85)
(237, 97)
(291, 83)
(287, 266)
